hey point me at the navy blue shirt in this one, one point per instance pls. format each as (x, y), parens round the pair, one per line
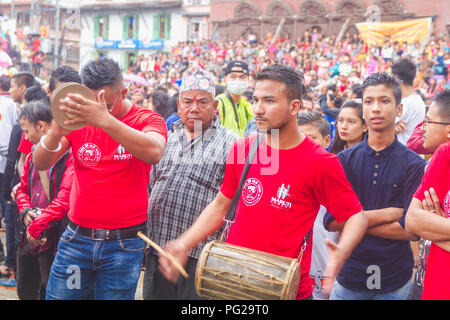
(381, 179)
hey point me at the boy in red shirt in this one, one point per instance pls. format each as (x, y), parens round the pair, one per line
(113, 155)
(286, 183)
(43, 206)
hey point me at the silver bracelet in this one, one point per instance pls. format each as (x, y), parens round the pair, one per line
(45, 147)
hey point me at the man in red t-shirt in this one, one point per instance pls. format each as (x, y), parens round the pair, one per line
(434, 225)
(113, 154)
(430, 207)
(288, 180)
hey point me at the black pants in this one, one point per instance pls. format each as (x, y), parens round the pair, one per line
(157, 287)
(32, 273)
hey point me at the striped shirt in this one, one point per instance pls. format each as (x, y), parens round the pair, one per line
(186, 180)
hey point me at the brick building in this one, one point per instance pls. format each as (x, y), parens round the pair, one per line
(231, 19)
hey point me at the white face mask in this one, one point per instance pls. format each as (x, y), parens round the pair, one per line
(237, 87)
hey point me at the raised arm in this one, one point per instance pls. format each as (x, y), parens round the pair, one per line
(52, 146)
(146, 145)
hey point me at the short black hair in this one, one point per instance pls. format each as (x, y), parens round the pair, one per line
(405, 70)
(382, 78)
(419, 93)
(63, 74)
(36, 93)
(5, 83)
(354, 104)
(442, 99)
(307, 98)
(338, 144)
(24, 78)
(36, 110)
(101, 72)
(292, 79)
(220, 89)
(160, 101)
(316, 119)
(357, 89)
(173, 106)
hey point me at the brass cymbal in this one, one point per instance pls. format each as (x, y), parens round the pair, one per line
(60, 93)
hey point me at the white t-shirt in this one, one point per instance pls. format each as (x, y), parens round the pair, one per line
(8, 117)
(413, 114)
(319, 255)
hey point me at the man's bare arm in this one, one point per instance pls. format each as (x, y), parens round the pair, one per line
(374, 218)
(426, 224)
(393, 231)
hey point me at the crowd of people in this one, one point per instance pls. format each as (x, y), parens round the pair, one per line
(25, 51)
(354, 149)
(321, 59)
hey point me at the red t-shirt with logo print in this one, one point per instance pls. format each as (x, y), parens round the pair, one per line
(110, 185)
(437, 277)
(282, 196)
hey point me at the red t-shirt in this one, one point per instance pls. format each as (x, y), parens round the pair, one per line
(36, 44)
(110, 184)
(437, 176)
(25, 145)
(281, 197)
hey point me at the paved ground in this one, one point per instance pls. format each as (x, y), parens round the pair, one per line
(6, 294)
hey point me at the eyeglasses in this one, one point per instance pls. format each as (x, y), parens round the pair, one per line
(427, 121)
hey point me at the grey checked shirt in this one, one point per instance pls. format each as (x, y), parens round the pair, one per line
(186, 180)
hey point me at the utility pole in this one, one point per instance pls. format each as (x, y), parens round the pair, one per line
(38, 20)
(32, 16)
(56, 48)
(12, 13)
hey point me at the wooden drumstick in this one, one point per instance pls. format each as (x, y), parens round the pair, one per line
(164, 253)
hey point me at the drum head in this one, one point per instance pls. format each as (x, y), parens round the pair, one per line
(60, 93)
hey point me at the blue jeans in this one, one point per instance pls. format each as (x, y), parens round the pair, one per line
(338, 292)
(110, 268)
(13, 234)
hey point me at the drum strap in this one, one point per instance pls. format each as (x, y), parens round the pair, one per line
(229, 218)
(305, 244)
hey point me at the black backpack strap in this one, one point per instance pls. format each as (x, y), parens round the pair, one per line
(236, 117)
(223, 108)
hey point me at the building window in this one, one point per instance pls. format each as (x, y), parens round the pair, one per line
(161, 26)
(101, 27)
(194, 31)
(23, 19)
(130, 27)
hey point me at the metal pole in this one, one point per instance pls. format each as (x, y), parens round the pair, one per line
(12, 13)
(56, 49)
(38, 22)
(32, 15)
